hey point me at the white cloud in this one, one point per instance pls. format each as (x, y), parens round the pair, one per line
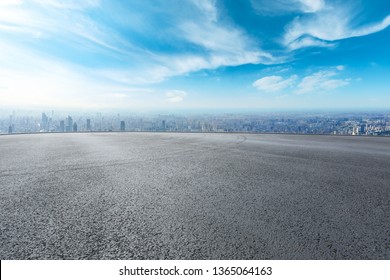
(320, 81)
(10, 2)
(331, 23)
(311, 6)
(166, 66)
(224, 45)
(69, 4)
(175, 96)
(37, 80)
(62, 20)
(371, 28)
(274, 83)
(208, 7)
(287, 6)
(308, 42)
(64, 88)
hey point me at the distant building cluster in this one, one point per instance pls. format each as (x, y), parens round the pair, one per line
(368, 123)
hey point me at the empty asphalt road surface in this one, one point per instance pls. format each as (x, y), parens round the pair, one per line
(194, 196)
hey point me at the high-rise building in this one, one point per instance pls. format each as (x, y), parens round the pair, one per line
(88, 124)
(44, 118)
(362, 128)
(164, 125)
(123, 126)
(75, 127)
(44, 122)
(69, 124)
(10, 129)
(62, 126)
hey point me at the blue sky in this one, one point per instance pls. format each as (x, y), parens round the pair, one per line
(205, 54)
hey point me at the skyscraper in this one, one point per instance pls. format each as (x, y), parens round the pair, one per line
(362, 129)
(62, 126)
(69, 124)
(163, 125)
(75, 127)
(122, 125)
(44, 122)
(88, 124)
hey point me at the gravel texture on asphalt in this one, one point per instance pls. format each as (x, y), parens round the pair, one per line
(194, 196)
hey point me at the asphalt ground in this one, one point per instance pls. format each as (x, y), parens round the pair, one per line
(194, 196)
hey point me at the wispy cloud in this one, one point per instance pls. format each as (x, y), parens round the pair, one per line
(305, 42)
(38, 80)
(331, 23)
(69, 4)
(320, 81)
(175, 96)
(223, 44)
(208, 7)
(311, 6)
(10, 2)
(64, 21)
(277, 7)
(274, 83)
(370, 28)
(216, 39)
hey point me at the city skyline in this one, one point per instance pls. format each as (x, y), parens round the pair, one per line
(374, 123)
(178, 55)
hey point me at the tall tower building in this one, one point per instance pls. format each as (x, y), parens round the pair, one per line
(89, 124)
(123, 128)
(69, 124)
(44, 122)
(62, 126)
(75, 127)
(362, 129)
(164, 125)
